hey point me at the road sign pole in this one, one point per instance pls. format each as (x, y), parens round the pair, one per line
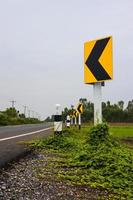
(71, 121)
(75, 121)
(97, 89)
(79, 121)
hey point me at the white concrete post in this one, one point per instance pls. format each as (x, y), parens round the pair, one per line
(71, 121)
(97, 89)
(75, 121)
(79, 121)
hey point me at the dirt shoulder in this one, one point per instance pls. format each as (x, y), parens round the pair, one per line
(128, 141)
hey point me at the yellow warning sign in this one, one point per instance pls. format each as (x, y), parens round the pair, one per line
(75, 113)
(98, 60)
(80, 108)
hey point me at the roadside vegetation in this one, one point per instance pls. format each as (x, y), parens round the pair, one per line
(122, 132)
(12, 117)
(90, 157)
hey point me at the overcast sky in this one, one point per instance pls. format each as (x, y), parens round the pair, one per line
(41, 51)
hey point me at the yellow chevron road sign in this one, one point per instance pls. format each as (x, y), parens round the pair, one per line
(98, 61)
(75, 113)
(80, 108)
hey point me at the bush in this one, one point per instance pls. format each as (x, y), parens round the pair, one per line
(98, 134)
(3, 119)
(10, 117)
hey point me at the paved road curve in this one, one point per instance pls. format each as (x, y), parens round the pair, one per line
(11, 136)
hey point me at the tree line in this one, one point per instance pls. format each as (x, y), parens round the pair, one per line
(11, 116)
(116, 112)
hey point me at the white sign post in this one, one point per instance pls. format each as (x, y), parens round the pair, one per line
(97, 89)
(79, 121)
(75, 121)
(71, 121)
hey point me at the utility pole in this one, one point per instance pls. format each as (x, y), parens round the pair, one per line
(32, 113)
(28, 113)
(36, 115)
(25, 108)
(13, 103)
(13, 106)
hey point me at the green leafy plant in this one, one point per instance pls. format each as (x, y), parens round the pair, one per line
(94, 158)
(98, 134)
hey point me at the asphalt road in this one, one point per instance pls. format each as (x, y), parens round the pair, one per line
(11, 138)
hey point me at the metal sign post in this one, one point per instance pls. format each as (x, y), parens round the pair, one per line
(97, 88)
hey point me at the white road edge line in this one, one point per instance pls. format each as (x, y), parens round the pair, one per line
(25, 134)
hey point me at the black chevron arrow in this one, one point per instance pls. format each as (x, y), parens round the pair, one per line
(79, 108)
(92, 61)
(74, 113)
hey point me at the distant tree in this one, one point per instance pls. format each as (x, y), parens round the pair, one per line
(121, 104)
(83, 101)
(129, 111)
(12, 117)
(108, 104)
(22, 115)
(11, 112)
(3, 119)
(130, 106)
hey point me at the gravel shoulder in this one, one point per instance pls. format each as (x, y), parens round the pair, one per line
(33, 178)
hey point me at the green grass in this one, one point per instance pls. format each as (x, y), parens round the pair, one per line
(93, 157)
(121, 131)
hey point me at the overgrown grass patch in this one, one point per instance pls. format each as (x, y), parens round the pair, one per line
(91, 157)
(122, 131)
(70, 140)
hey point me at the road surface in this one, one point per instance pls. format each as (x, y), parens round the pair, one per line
(11, 138)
